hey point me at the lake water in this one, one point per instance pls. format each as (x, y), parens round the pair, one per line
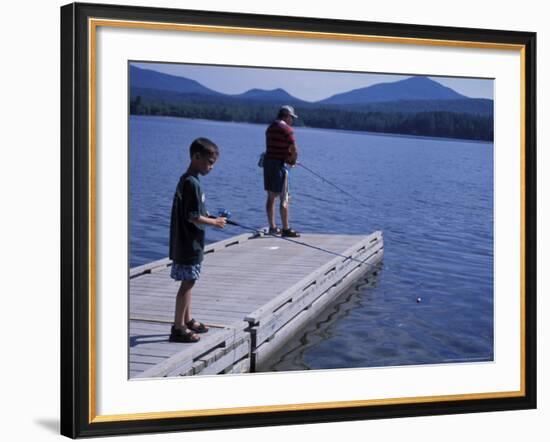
(432, 198)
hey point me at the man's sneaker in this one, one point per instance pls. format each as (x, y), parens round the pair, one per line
(289, 233)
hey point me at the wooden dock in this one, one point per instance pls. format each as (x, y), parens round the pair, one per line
(255, 293)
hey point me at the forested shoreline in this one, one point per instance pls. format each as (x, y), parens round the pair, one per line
(396, 118)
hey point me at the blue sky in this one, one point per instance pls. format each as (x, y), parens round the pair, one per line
(303, 84)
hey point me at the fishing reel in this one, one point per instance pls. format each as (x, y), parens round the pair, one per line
(224, 213)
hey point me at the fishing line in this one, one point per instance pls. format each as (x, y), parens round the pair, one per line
(357, 215)
(242, 226)
(332, 184)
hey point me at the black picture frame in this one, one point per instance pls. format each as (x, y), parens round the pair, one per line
(77, 384)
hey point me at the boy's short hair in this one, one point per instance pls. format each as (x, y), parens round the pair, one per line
(204, 147)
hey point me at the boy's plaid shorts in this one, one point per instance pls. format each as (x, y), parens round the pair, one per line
(181, 272)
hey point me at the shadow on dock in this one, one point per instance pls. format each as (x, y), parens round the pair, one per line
(147, 339)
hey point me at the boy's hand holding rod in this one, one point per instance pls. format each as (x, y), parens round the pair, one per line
(210, 220)
(217, 221)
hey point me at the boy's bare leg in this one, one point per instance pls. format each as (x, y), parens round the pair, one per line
(270, 208)
(183, 305)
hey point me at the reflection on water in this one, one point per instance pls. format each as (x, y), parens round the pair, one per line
(322, 329)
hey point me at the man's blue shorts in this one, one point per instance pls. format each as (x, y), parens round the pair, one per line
(181, 272)
(274, 175)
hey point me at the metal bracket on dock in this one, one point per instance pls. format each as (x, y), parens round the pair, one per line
(253, 344)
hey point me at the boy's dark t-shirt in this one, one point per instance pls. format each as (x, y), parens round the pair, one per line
(187, 238)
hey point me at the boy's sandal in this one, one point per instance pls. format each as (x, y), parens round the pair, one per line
(274, 231)
(196, 326)
(178, 335)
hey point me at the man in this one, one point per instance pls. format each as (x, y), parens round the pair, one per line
(280, 150)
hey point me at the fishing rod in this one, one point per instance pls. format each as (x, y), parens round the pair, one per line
(332, 184)
(227, 215)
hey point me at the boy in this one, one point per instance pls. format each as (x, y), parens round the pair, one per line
(187, 225)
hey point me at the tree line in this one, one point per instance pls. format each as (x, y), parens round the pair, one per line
(424, 123)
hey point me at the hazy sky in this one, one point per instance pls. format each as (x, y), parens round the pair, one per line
(306, 85)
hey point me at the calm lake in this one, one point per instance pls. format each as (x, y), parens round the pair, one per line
(432, 198)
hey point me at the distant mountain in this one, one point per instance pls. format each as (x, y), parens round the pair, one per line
(279, 95)
(414, 88)
(147, 79)
(407, 91)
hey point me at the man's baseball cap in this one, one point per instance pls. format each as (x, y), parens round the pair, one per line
(289, 110)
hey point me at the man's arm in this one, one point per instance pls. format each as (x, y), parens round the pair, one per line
(293, 155)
